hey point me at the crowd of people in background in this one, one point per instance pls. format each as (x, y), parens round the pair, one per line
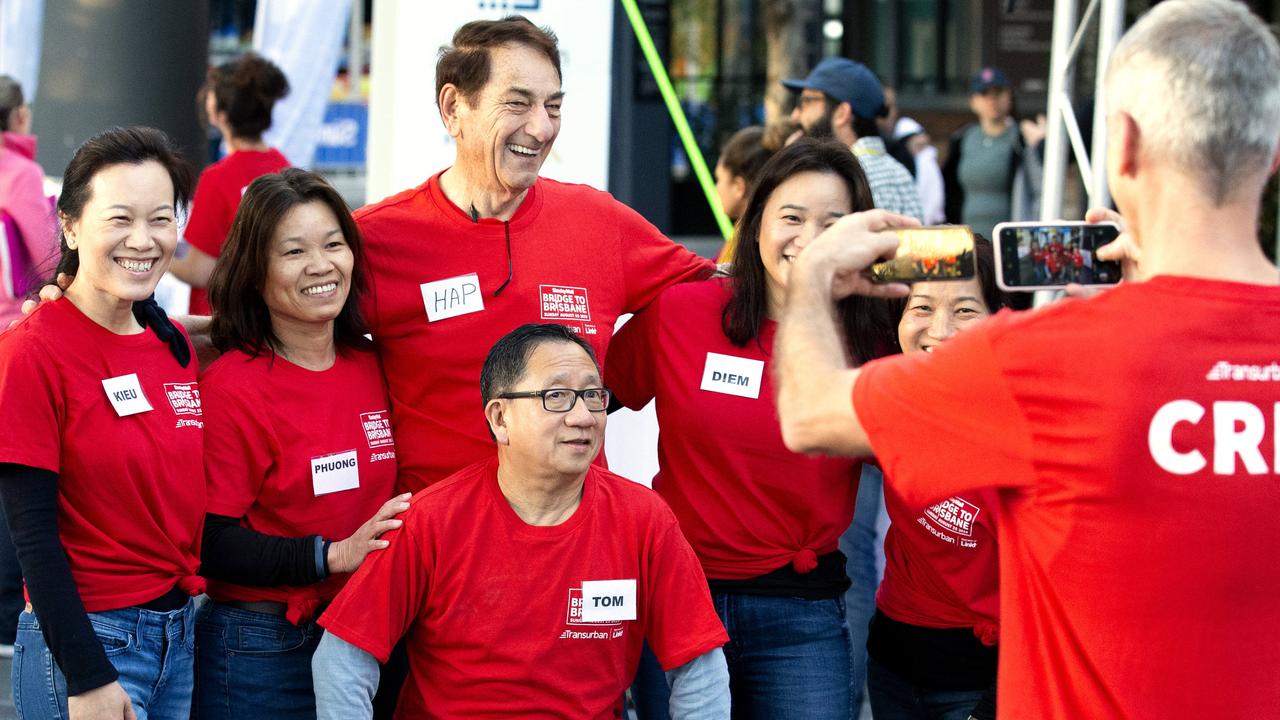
(363, 477)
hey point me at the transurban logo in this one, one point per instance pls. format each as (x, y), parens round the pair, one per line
(1224, 370)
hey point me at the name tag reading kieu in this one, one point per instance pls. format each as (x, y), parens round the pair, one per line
(125, 394)
(335, 473)
(608, 600)
(732, 375)
(452, 297)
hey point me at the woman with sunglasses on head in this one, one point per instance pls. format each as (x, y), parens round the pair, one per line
(299, 455)
(765, 522)
(100, 472)
(933, 639)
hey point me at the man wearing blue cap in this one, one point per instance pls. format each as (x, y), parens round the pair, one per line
(841, 99)
(993, 169)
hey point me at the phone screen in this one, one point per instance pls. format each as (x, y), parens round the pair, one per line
(1050, 255)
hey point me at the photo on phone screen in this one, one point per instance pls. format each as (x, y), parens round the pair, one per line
(1053, 255)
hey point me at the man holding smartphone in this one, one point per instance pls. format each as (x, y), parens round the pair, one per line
(1131, 436)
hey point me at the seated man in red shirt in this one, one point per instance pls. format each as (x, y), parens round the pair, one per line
(1131, 437)
(526, 584)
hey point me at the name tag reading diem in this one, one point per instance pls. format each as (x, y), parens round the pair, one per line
(335, 473)
(125, 394)
(732, 375)
(452, 297)
(608, 600)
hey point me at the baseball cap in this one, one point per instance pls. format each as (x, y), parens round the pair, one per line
(845, 81)
(906, 127)
(987, 78)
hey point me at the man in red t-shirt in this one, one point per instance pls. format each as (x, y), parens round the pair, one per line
(1131, 438)
(526, 586)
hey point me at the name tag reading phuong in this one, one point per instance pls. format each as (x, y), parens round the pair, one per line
(335, 473)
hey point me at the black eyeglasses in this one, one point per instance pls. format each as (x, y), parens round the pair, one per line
(562, 400)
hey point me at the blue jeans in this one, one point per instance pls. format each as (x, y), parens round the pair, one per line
(893, 698)
(788, 658)
(251, 664)
(863, 545)
(152, 651)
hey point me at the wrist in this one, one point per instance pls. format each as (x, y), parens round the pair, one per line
(326, 556)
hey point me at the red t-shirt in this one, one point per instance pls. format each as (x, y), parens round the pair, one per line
(216, 200)
(493, 608)
(575, 256)
(296, 452)
(130, 488)
(747, 504)
(942, 566)
(1132, 441)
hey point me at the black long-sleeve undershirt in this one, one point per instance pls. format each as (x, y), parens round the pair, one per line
(232, 553)
(30, 499)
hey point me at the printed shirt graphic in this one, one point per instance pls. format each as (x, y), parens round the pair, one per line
(577, 257)
(283, 446)
(130, 539)
(1136, 497)
(487, 602)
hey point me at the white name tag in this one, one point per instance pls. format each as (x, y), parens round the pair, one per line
(608, 600)
(334, 473)
(452, 297)
(125, 394)
(732, 375)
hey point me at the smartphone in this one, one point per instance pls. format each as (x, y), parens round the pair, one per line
(1047, 256)
(944, 252)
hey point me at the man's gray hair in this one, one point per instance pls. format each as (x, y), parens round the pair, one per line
(1201, 78)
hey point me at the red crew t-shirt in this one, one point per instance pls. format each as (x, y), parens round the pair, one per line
(747, 504)
(216, 200)
(495, 611)
(444, 288)
(119, 420)
(942, 564)
(296, 452)
(1132, 439)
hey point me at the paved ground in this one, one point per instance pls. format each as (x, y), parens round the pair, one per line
(6, 693)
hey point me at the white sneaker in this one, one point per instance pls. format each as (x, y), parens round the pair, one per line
(6, 651)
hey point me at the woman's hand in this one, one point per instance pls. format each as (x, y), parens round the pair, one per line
(346, 555)
(109, 702)
(48, 293)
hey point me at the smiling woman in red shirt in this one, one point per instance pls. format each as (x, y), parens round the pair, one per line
(100, 458)
(299, 456)
(238, 98)
(764, 521)
(933, 640)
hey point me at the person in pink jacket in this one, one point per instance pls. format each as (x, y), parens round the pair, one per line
(28, 238)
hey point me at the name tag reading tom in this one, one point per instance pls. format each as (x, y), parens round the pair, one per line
(732, 375)
(608, 600)
(452, 297)
(335, 473)
(125, 394)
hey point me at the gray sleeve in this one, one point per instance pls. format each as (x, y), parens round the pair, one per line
(345, 678)
(700, 688)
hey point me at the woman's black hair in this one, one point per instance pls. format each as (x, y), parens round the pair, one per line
(241, 319)
(746, 310)
(246, 89)
(117, 146)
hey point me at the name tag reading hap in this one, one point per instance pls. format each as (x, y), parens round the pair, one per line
(125, 394)
(452, 297)
(608, 600)
(334, 473)
(732, 375)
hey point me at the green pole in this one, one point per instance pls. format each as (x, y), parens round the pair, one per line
(677, 116)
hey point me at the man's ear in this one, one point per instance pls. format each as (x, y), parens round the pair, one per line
(495, 413)
(1128, 139)
(451, 105)
(842, 115)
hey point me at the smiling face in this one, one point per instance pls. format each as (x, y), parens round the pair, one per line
(797, 211)
(125, 237)
(538, 443)
(937, 310)
(309, 268)
(505, 132)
